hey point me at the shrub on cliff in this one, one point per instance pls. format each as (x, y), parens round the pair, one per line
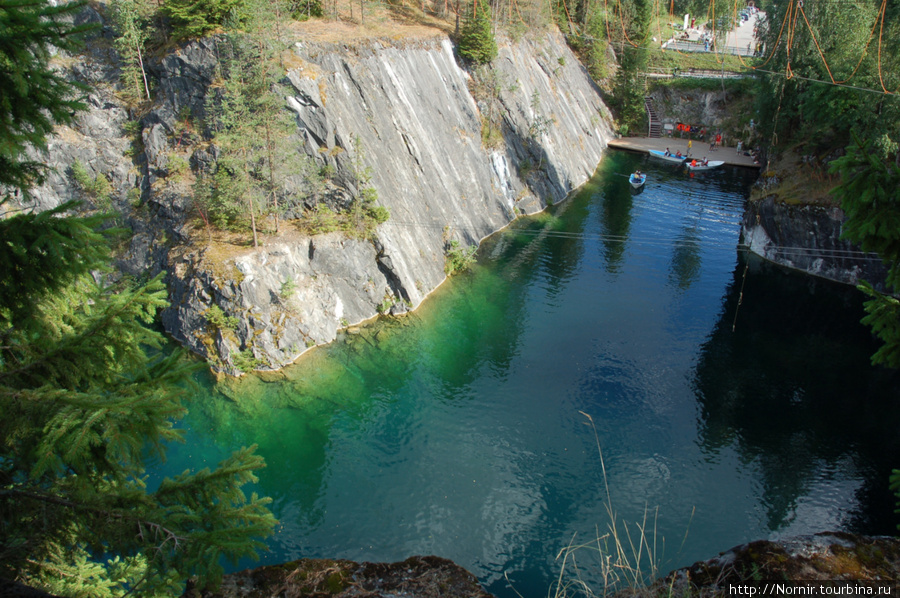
(476, 41)
(34, 98)
(86, 391)
(196, 18)
(870, 197)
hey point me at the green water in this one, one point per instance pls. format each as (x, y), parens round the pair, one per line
(462, 429)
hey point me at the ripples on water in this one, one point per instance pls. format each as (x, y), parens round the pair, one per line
(460, 430)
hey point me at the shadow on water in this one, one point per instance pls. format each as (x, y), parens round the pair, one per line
(456, 430)
(793, 390)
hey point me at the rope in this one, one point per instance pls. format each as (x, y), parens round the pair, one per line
(880, 33)
(740, 296)
(667, 243)
(816, 42)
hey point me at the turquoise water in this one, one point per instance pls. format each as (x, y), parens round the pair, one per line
(464, 430)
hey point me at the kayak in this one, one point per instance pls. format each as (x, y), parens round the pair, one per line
(670, 158)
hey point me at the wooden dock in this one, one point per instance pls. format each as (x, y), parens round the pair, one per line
(699, 149)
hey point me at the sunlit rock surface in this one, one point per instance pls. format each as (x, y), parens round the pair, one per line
(404, 109)
(408, 113)
(825, 557)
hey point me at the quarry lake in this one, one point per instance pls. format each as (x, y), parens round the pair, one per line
(472, 429)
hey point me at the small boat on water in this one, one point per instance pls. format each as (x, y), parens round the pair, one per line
(697, 165)
(637, 179)
(668, 157)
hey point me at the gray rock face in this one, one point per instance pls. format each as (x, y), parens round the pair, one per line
(407, 111)
(807, 238)
(409, 115)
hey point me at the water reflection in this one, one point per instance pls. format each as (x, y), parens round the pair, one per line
(685, 266)
(457, 430)
(792, 389)
(616, 202)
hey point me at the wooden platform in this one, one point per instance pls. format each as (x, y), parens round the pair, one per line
(699, 149)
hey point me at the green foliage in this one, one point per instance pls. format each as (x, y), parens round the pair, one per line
(78, 576)
(386, 304)
(327, 171)
(196, 18)
(321, 220)
(246, 361)
(588, 38)
(476, 40)
(487, 85)
(895, 486)
(253, 129)
(870, 197)
(96, 188)
(807, 105)
(216, 318)
(883, 317)
(629, 84)
(34, 97)
(177, 167)
(131, 20)
(303, 10)
(87, 396)
(459, 258)
(43, 253)
(366, 215)
(288, 288)
(86, 391)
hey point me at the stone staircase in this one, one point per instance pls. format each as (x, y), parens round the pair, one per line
(655, 126)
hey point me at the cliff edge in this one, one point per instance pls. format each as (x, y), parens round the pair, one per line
(405, 111)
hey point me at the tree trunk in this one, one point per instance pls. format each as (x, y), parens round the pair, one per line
(143, 72)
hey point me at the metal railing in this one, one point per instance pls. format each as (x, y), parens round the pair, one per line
(669, 73)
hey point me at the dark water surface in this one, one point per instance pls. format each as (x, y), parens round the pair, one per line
(463, 430)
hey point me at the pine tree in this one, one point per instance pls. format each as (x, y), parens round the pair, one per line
(476, 42)
(34, 97)
(630, 83)
(131, 18)
(82, 400)
(88, 393)
(253, 130)
(196, 18)
(870, 197)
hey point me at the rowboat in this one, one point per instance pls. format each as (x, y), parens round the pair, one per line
(700, 166)
(637, 180)
(670, 158)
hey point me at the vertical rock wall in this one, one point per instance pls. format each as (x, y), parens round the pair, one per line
(808, 238)
(407, 112)
(405, 109)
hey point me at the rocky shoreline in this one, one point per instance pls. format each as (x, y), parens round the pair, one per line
(826, 557)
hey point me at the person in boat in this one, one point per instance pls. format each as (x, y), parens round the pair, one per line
(705, 162)
(678, 154)
(637, 175)
(668, 153)
(694, 162)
